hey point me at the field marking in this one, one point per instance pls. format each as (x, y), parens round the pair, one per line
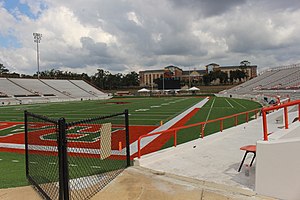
(229, 103)
(239, 103)
(209, 112)
(141, 110)
(96, 167)
(15, 161)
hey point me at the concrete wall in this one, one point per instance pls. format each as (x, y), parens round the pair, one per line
(278, 168)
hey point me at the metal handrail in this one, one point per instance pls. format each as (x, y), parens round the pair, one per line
(286, 121)
(221, 119)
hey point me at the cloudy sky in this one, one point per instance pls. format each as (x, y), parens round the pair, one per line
(132, 35)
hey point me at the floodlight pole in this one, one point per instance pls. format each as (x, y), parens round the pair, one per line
(37, 38)
(164, 82)
(189, 77)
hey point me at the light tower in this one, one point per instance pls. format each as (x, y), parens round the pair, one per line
(37, 38)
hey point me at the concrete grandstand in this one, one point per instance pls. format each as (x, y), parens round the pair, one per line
(25, 91)
(282, 81)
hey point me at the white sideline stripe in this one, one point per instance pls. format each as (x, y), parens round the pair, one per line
(229, 103)
(238, 103)
(209, 112)
(167, 125)
(54, 149)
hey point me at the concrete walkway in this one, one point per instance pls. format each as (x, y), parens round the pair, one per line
(137, 183)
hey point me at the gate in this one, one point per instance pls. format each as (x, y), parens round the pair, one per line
(75, 160)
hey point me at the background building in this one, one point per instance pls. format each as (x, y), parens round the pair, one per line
(148, 77)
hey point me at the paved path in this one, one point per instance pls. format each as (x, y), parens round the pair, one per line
(142, 184)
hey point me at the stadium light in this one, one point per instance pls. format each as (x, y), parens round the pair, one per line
(37, 38)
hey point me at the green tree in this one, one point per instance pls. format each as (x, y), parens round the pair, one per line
(245, 63)
(3, 69)
(130, 79)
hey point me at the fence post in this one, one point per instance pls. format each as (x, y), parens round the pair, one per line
(221, 125)
(127, 138)
(264, 116)
(236, 120)
(202, 131)
(286, 118)
(299, 112)
(247, 116)
(63, 161)
(175, 138)
(26, 143)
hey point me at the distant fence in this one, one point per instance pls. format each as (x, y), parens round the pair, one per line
(75, 160)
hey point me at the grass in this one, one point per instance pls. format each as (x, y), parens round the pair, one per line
(12, 166)
(143, 111)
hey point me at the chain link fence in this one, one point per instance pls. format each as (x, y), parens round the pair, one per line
(75, 160)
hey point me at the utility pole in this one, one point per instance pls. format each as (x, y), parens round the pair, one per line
(189, 77)
(37, 38)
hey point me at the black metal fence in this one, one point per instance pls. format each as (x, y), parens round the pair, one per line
(75, 160)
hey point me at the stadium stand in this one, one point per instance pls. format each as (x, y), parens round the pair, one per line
(87, 87)
(12, 90)
(27, 91)
(283, 81)
(38, 87)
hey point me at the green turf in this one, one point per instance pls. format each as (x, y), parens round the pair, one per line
(12, 166)
(73, 111)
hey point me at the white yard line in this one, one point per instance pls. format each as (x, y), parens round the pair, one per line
(229, 103)
(209, 112)
(238, 103)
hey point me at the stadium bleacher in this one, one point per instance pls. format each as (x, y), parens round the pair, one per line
(280, 81)
(27, 91)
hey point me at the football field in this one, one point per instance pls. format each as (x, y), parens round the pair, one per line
(145, 114)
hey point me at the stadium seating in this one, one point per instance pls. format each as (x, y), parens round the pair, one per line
(27, 91)
(13, 90)
(281, 81)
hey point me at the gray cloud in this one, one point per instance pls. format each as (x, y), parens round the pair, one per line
(208, 7)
